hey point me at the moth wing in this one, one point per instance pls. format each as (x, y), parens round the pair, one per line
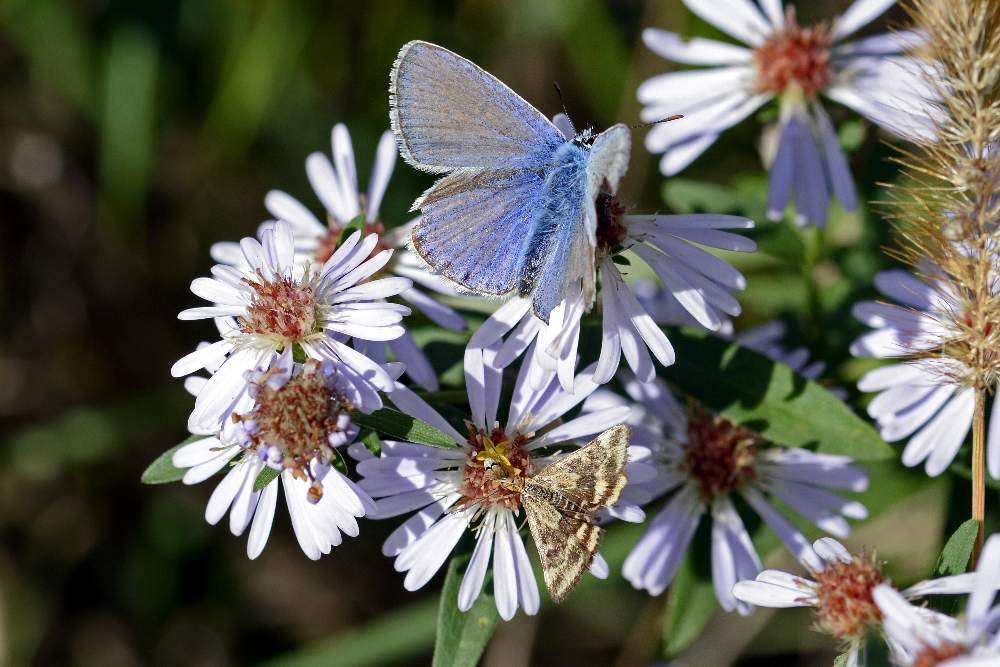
(565, 545)
(606, 166)
(593, 475)
(476, 227)
(448, 113)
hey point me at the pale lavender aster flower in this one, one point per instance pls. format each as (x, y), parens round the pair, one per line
(336, 186)
(451, 496)
(794, 65)
(292, 419)
(918, 636)
(703, 463)
(928, 400)
(841, 593)
(270, 303)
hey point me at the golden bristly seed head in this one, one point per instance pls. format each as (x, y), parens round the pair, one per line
(719, 455)
(845, 608)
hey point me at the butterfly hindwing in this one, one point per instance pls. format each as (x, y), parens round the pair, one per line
(475, 227)
(594, 475)
(448, 113)
(565, 543)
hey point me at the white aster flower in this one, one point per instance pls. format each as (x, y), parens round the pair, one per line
(919, 637)
(291, 420)
(703, 462)
(451, 494)
(841, 591)
(336, 186)
(270, 303)
(698, 281)
(795, 65)
(928, 399)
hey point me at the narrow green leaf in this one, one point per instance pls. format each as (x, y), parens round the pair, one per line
(400, 426)
(402, 635)
(163, 470)
(369, 439)
(264, 477)
(769, 398)
(957, 552)
(840, 660)
(462, 637)
(357, 224)
(690, 605)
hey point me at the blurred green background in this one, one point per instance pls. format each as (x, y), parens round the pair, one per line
(132, 136)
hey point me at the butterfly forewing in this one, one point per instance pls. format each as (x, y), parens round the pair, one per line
(448, 113)
(593, 474)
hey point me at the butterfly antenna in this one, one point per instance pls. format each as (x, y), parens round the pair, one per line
(657, 122)
(562, 102)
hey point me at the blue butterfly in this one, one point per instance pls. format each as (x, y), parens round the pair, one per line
(515, 211)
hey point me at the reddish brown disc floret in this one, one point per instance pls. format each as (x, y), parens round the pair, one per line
(794, 55)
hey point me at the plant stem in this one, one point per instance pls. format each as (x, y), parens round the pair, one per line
(979, 469)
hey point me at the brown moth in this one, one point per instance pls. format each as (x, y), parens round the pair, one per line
(561, 503)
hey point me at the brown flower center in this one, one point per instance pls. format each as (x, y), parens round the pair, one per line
(495, 457)
(720, 456)
(283, 308)
(610, 230)
(794, 55)
(846, 608)
(932, 656)
(298, 419)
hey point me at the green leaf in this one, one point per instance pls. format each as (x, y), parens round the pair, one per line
(370, 440)
(462, 637)
(264, 477)
(163, 470)
(399, 426)
(684, 195)
(840, 660)
(769, 398)
(357, 224)
(691, 600)
(402, 635)
(957, 552)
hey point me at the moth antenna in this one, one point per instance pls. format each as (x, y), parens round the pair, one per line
(677, 116)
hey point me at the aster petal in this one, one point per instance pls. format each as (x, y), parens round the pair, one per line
(733, 557)
(987, 581)
(993, 442)
(653, 562)
(793, 540)
(802, 465)
(418, 366)
(436, 312)
(263, 517)
(224, 494)
(504, 570)
(246, 498)
(385, 161)
(858, 15)
(954, 585)
(695, 51)
(347, 174)
(831, 550)
(425, 557)
(761, 594)
(941, 438)
(739, 18)
(285, 207)
(203, 357)
(475, 573)
(836, 162)
(414, 528)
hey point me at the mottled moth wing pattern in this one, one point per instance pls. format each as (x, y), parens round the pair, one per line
(561, 504)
